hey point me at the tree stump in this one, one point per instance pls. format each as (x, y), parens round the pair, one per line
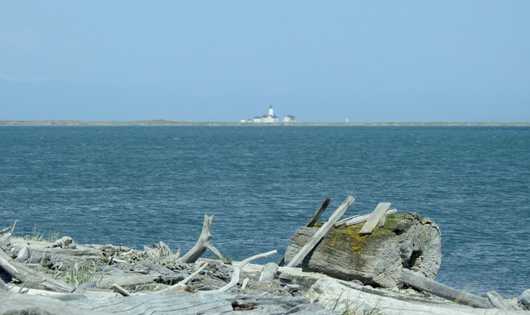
(407, 240)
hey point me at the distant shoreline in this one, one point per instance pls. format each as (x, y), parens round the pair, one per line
(82, 123)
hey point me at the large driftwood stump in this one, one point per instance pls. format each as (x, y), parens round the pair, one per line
(405, 241)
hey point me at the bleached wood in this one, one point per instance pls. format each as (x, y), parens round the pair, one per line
(7, 232)
(422, 283)
(23, 254)
(375, 217)
(203, 243)
(7, 266)
(3, 285)
(192, 275)
(119, 289)
(244, 284)
(31, 278)
(268, 273)
(359, 219)
(499, 302)
(217, 252)
(237, 271)
(349, 298)
(322, 231)
(9, 229)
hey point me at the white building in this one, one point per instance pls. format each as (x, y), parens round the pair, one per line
(269, 118)
(289, 119)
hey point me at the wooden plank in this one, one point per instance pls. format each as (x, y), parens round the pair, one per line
(422, 283)
(314, 219)
(322, 231)
(375, 217)
(318, 212)
(359, 219)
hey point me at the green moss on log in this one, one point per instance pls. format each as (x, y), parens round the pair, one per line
(348, 237)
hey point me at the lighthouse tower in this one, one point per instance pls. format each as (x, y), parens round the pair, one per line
(271, 111)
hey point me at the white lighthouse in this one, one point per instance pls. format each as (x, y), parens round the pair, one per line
(269, 118)
(271, 111)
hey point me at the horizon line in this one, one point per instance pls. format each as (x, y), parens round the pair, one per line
(169, 122)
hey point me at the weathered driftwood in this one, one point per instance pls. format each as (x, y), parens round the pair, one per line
(181, 285)
(23, 254)
(63, 242)
(320, 233)
(162, 304)
(3, 285)
(406, 241)
(268, 273)
(8, 229)
(203, 243)
(499, 302)
(358, 219)
(119, 289)
(7, 232)
(314, 220)
(348, 298)
(376, 218)
(237, 270)
(419, 282)
(29, 277)
(318, 212)
(244, 284)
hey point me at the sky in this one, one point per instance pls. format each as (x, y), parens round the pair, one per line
(453, 60)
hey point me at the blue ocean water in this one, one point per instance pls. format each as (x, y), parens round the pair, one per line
(138, 185)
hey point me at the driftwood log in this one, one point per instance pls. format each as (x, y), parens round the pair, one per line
(203, 243)
(29, 277)
(421, 283)
(161, 304)
(406, 241)
(348, 298)
(238, 268)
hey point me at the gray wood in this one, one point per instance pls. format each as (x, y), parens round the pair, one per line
(321, 232)
(318, 212)
(314, 219)
(23, 254)
(161, 304)
(3, 285)
(6, 233)
(344, 298)
(269, 272)
(419, 282)
(358, 219)
(499, 302)
(239, 267)
(31, 278)
(203, 243)
(119, 289)
(406, 241)
(375, 217)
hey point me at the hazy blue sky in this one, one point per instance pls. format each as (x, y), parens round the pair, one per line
(226, 60)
